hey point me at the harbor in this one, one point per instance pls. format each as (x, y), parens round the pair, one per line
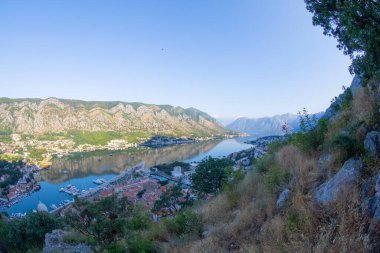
(83, 172)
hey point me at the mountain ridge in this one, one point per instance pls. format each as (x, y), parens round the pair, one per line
(264, 126)
(38, 116)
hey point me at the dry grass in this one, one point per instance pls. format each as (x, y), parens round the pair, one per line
(252, 224)
(364, 106)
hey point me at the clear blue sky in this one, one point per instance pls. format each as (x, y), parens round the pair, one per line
(229, 58)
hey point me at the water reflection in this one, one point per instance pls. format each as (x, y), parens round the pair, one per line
(66, 169)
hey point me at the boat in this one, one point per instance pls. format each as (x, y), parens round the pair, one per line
(99, 181)
(53, 207)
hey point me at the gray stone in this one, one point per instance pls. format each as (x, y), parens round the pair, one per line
(205, 234)
(284, 195)
(346, 177)
(54, 243)
(355, 85)
(372, 143)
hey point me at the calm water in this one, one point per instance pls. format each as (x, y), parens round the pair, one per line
(81, 171)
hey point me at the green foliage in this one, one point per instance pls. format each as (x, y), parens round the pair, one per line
(276, 176)
(14, 174)
(185, 222)
(21, 235)
(312, 135)
(342, 102)
(93, 138)
(10, 157)
(36, 153)
(5, 137)
(347, 145)
(276, 145)
(106, 221)
(261, 165)
(210, 174)
(139, 220)
(292, 222)
(168, 199)
(141, 245)
(356, 26)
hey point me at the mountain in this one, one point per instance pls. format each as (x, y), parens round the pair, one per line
(267, 125)
(53, 115)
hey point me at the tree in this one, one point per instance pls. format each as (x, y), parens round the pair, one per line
(169, 199)
(210, 174)
(105, 220)
(21, 235)
(356, 26)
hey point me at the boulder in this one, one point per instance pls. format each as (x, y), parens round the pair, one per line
(370, 196)
(372, 143)
(54, 243)
(284, 195)
(347, 176)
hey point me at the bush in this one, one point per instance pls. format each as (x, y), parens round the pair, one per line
(184, 223)
(27, 233)
(347, 145)
(312, 135)
(210, 174)
(292, 222)
(140, 245)
(277, 177)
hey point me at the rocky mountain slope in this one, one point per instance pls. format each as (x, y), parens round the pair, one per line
(52, 115)
(265, 126)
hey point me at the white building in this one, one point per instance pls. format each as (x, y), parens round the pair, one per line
(177, 172)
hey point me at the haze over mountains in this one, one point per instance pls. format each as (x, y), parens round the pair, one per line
(267, 125)
(52, 115)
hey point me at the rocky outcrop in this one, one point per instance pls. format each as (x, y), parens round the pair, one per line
(282, 198)
(370, 196)
(347, 176)
(372, 143)
(54, 243)
(38, 116)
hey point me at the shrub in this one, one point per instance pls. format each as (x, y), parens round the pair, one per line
(27, 233)
(292, 222)
(312, 135)
(184, 223)
(277, 177)
(210, 174)
(141, 245)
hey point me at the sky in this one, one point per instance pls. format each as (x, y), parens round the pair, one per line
(229, 58)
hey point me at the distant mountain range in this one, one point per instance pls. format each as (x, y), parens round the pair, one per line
(265, 126)
(53, 115)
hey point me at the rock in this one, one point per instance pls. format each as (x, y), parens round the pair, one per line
(54, 243)
(355, 85)
(284, 195)
(233, 246)
(346, 177)
(372, 143)
(370, 196)
(205, 234)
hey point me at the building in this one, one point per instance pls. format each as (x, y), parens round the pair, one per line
(177, 172)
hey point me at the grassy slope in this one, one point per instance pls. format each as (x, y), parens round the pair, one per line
(245, 220)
